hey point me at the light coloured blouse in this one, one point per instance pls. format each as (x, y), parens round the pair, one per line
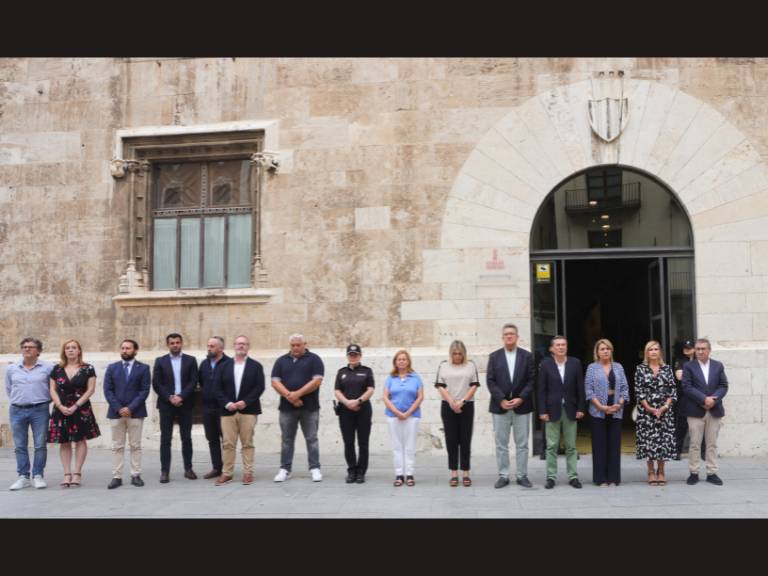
(457, 378)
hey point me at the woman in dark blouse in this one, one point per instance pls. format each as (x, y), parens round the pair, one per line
(72, 384)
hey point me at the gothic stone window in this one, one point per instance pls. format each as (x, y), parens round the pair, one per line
(194, 210)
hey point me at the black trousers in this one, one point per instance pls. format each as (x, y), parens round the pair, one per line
(606, 450)
(458, 433)
(212, 425)
(168, 415)
(356, 423)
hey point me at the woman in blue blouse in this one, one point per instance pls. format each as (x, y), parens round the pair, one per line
(606, 390)
(403, 394)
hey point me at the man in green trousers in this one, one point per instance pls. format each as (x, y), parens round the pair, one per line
(561, 403)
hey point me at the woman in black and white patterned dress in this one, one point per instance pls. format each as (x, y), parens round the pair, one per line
(656, 393)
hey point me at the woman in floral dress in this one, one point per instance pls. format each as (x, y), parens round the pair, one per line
(72, 383)
(656, 394)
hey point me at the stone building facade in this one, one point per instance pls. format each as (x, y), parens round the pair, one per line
(392, 205)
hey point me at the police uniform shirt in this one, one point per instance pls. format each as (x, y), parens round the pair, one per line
(353, 382)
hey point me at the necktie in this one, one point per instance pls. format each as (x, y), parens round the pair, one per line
(125, 370)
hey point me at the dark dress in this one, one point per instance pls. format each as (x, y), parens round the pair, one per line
(655, 436)
(81, 425)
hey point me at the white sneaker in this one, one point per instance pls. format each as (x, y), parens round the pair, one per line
(39, 482)
(317, 476)
(282, 475)
(22, 482)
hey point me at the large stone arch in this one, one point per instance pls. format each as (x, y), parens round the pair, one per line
(720, 178)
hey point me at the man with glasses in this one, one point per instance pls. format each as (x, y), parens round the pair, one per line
(26, 383)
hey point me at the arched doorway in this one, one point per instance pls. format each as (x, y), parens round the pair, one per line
(611, 256)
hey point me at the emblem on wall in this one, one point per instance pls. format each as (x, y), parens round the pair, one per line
(609, 109)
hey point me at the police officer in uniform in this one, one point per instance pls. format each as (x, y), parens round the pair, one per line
(353, 390)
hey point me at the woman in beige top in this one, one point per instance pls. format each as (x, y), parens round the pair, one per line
(457, 382)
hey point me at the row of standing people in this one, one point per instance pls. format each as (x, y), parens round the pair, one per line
(231, 407)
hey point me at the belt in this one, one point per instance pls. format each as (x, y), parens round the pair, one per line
(28, 405)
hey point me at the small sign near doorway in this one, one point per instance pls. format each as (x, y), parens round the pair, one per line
(543, 273)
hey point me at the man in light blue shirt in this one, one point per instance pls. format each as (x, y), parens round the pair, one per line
(26, 384)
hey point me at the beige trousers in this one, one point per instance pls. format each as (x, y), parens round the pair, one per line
(232, 427)
(708, 428)
(120, 427)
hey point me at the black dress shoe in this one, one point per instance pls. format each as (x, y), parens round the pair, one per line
(190, 474)
(524, 482)
(692, 479)
(501, 482)
(714, 479)
(360, 479)
(114, 483)
(137, 481)
(549, 484)
(212, 474)
(164, 478)
(575, 483)
(351, 478)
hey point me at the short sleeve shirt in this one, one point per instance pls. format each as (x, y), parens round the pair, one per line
(353, 382)
(457, 378)
(403, 393)
(294, 373)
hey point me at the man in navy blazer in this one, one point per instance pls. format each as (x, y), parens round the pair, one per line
(174, 379)
(562, 402)
(126, 388)
(239, 383)
(510, 377)
(704, 385)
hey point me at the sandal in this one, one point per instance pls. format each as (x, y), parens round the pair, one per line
(66, 483)
(409, 481)
(661, 480)
(652, 480)
(467, 481)
(73, 483)
(398, 481)
(454, 481)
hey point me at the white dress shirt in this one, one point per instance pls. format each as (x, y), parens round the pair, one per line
(511, 361)
(705, 370)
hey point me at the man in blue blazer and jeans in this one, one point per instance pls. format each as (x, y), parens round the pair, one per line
(562, 403)
(174, 377)
(126, 388)
(704, 385)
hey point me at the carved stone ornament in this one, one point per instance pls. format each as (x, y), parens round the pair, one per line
(118, 167)
(609, 108)
(266, 160)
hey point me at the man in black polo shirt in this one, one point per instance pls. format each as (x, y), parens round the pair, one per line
(297, 377)
(354, 387)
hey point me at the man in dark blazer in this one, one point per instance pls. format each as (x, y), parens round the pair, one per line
(510, 377)
(211, 409)
(704, 385)
(562, 402)
(126, 388)
(174, 379)
(239, 384)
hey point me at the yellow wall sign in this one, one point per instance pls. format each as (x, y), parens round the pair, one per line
(543, 273)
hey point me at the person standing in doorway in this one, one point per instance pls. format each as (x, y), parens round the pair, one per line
(681, 420)
(606, 389)
(561, 406)
(510, 378)
(174, 377)
(353, 390)
(704, 386)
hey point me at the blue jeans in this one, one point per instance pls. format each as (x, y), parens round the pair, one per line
(21, 420)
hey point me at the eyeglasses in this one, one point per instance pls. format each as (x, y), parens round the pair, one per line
(29, 347)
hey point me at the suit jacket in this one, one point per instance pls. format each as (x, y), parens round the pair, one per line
(164, 385)
(251, 386)
(132, 394)
(695, 389)
(502, 388)
(596, 386)
(205, 378)
(552, 390)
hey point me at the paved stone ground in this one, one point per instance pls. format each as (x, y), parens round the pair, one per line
(744, 495)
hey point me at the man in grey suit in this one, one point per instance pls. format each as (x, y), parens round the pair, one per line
(510, 383)
(704, 385)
